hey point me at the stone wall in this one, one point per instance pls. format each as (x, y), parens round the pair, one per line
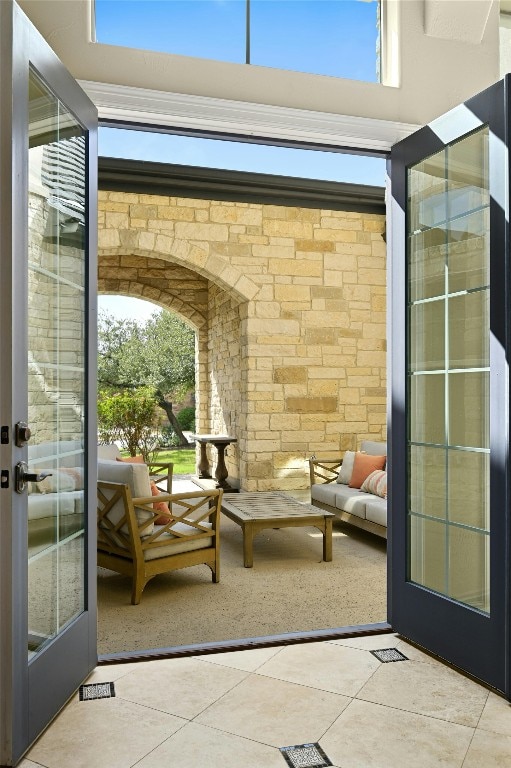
(227, 377)
(296, 328)
(56, 317)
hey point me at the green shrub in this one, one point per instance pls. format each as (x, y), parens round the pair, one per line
(130, 417)
(186, 418)
(168, 437)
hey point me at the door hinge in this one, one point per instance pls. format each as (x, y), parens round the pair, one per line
(4, 478)
(4, 435)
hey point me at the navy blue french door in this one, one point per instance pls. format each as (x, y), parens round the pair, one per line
(449, 528)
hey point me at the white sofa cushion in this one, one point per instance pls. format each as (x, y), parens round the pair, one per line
(184, 546)
(324, 492)
(346, 469)
(352, 500)
(376, 511)
(68, 453)
(109, 451)
(43, 499)
(136, 476)
(53, 504)
(342, 497)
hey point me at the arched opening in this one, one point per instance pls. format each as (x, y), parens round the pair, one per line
(215, 308)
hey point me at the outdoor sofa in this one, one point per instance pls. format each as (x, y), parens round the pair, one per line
(58, 500)
(351, 505)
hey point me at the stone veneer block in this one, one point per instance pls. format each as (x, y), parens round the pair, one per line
(290, 375)
(311, 404)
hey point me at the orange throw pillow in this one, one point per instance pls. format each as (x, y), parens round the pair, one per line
(160, 506)
(363, 465)
(131, 459)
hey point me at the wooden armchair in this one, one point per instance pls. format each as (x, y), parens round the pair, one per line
(129, 541)
(161, 472)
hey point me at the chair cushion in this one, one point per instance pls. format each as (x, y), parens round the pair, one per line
(179, 546)
(325, 492)
(136, 477)
(108, 451)
(376, 483)
(159, 506)
(363, 466)
(373, 448)
(352, 500)
(346, 469)
(376, 511)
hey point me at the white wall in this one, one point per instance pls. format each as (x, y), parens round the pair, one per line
(441, 53)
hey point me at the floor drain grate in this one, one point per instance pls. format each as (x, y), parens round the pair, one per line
(96, 691)
(389, 654)
(305, 756)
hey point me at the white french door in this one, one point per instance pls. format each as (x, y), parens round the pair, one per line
(47, 380)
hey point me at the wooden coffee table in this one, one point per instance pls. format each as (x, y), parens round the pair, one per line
(256, 511)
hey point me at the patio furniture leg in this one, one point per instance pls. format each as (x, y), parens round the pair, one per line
(215, 569)
(327, 540)
(248, 544)
(138, 585)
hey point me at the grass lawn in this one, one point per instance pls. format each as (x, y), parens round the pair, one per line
(183, 460)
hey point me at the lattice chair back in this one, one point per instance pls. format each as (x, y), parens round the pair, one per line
(136, 539)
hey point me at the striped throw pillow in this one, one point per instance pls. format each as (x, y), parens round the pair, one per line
(376, 483)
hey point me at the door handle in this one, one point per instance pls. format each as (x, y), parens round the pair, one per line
(22, 476)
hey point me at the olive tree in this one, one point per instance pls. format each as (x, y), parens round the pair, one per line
(159, 353)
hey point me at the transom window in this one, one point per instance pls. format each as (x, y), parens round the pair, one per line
(339, 38)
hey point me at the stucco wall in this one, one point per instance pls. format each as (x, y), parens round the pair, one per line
(296, 360)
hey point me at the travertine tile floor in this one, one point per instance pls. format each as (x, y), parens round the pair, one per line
(235, 710)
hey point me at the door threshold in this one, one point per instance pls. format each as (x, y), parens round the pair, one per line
(245, 644)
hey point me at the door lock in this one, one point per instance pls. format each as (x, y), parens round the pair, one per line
(22, 434)
(22, 476)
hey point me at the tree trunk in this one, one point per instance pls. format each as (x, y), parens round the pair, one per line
(174, 423)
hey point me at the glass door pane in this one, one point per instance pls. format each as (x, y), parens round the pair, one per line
(56, 366)
(448, 368)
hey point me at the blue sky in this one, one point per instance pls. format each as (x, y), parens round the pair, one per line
(332, 37)
(326, 37)
(239, 156)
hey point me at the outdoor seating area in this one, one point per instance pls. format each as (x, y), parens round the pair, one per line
(290, 588)
(360, 501)
(140, 539)
(284, 539)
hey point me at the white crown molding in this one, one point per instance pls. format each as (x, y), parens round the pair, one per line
(202, 113)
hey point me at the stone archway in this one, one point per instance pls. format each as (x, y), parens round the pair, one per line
(171, 287)
(191, 294)
(184, 253)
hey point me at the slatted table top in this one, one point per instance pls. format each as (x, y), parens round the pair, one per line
(270, 505)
